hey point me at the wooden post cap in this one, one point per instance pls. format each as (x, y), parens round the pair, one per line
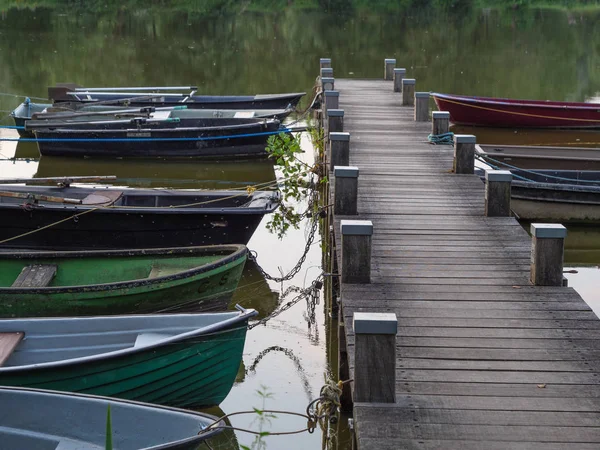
(464, 139)
(335, 112)
(409, 81)
(345, 171)
(332, 93)
(375, 323)
(390, 61)
(325, 61)
(339, 136)
(400, 72)
(440, 115)
(357, 227)
(548, 230)
(498, 175)
(421, 94)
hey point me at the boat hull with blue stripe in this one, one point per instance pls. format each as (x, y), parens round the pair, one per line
(215, 138)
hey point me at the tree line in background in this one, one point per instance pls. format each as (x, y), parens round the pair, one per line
(344, 6)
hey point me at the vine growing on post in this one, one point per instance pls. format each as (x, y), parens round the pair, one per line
(296, 185)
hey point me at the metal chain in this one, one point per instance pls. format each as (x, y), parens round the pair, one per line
(310, 293)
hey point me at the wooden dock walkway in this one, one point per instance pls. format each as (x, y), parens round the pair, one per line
(485, 360)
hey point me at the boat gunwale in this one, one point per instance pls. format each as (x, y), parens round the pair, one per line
(215, 424)
(213, 328)
(258, 122)
(271, 199)
(519, 102)
(238, 251)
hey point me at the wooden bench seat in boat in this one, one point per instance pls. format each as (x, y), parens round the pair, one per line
(8, 343)
(102, 198)
(36, 275)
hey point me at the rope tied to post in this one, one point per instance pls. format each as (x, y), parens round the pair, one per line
(441, 139)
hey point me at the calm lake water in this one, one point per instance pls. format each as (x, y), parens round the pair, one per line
(519, 53)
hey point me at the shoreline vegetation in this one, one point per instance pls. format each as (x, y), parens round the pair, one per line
(212, 7)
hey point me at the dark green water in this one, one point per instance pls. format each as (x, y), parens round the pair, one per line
(519, 53)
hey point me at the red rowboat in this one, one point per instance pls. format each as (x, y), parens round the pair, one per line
(504, 112)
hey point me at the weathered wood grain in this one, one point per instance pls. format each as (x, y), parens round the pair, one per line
(484, 360)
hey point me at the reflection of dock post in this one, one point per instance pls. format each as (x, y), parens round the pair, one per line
(339, 150)
(497, 193)
(388, 73)
(325, 63)
(464, 153)
(547, 253)
(346, 190)
(440, 123)
(375, 357)
(356, 251)
(399, 75)
(421, 106)
(408, 91)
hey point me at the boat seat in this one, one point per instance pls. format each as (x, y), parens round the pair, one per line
(144, 339)
(102, 198)
(8, 343)
(36, 275)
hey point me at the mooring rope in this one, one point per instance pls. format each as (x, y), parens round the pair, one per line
(485, 159)
(441, 139)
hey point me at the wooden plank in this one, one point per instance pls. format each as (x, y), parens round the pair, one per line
(485, 360)
(36, 275)
(8, 344)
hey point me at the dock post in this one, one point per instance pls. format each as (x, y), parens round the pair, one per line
(328, 83)
(335, 119)
(356, 251)
(346, 190)
(408, 91)
(375, 357)
(325, 63)
(464, 153)
(497, 193)
(547, 252)
(332, 100)
(421, 106)
(399, 75)
(339, 150)
(388, 74)
(327, 72)
(440, 122)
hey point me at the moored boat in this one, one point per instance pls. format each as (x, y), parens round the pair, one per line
(142, 138)
(505, 112)
(71, 93)
(84, 218)
(183, 360)
(119, 281)
(541, 157)
(39, 115)
(36, 419)
(556, 195)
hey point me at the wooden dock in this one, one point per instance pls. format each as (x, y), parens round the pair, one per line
(484, 360)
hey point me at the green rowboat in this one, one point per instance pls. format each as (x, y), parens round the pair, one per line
(34, 284)
(182, 360)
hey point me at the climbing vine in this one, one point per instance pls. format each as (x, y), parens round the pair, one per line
(298, 183)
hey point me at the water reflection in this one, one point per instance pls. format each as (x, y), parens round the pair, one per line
(184, 174)
(253, 291)
(226, 440)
